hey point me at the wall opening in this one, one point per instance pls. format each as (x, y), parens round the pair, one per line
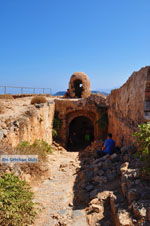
(78, 86)
(81, 133)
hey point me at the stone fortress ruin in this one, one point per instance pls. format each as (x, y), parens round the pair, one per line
(80, 113)
(81, 189)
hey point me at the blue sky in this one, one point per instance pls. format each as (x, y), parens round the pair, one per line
(42, 42)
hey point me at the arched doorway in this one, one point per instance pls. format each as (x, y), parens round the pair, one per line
(81, 133)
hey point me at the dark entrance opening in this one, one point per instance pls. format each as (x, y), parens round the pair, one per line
(78, 88)
(81, 133)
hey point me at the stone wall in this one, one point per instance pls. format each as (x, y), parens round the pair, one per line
(91, 107)
(127, 106)
(34, 122)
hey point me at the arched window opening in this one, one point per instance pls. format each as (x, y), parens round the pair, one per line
(78, 86)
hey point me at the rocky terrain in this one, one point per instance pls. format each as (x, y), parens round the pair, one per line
(21, 121)
(77, 188)
(81, 189)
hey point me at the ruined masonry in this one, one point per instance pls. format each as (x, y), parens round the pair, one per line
(95, 114)
(78, 187)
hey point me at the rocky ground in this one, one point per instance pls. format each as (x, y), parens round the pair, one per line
(83, 190)
(79, 189)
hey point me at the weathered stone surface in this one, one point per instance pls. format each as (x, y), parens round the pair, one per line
(27, 124)
(82, 81)
(139, 210)
(124, 219)
(79, 218)
(124, 167)
(126, 106)
(97, 208)
(69, 109)
(113, 203)
(94, 201)
(132, 195)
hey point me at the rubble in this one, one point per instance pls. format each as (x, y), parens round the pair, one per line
(115, 187)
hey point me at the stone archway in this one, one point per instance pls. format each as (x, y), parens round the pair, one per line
(91, 118)
(81, 133)
(79, 85)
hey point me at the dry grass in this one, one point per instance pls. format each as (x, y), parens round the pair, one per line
(30, 95)
(39, 148)
(38, 99)
(6, 96)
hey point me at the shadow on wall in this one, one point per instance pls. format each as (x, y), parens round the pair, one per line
(147, 98)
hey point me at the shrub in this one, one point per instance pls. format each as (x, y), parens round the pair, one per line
(16, 205)
(39, 147)
(23, 144)
(38, 100)
(143, 139)
(6, 96)
(54, 133)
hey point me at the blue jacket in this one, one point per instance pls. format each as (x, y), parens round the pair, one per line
(109, 146)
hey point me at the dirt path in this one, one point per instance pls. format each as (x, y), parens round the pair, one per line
(55, 194)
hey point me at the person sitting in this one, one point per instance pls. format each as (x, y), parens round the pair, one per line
(108, 147)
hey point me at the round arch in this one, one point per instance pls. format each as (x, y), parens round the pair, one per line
(66, 120)
(79, 85)
(80, 133)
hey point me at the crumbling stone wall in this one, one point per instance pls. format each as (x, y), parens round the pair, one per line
(81, 81)
(34, 122)
(129, 106)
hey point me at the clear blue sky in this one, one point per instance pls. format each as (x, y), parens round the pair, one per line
(42, 42)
